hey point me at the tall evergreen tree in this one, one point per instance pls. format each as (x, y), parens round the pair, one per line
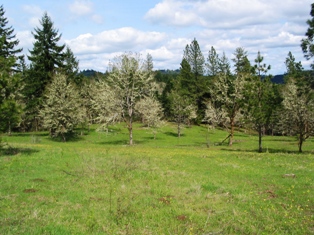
(149, 64)
(212, 62)
(193, 55)
(9, 76)
(8, 42)
(195, 58)
(241, 62)
(307, 44)
(47, 57)
(261, 96)
(70, 67)
(187, 85)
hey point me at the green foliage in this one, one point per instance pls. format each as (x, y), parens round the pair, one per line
(70, 67)
(9, 96)
(227, 93)
(46, 57)
(307, 44)
(182, 109)
(8, 43)
(212, 62)
(261, 96)
(62, 110)
(195, 58)
(130, 81)
(241, 62)
(298, 113)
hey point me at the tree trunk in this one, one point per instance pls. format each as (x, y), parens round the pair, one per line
(300, 142)
(179, 129)
(260, 130)
(130, 134)
(231, 131)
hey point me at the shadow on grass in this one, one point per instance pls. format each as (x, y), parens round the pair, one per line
(267, 150)
(10, 151)
(30, 134)
(72, 138)
(121, 142)
(174, 134)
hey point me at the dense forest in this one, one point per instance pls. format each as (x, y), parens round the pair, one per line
(50, 93)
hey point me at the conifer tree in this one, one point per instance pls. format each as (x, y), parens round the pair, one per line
(212, 62)
(9, 76)
(194, 56)
(307, 44)
(8, 42)
(261, 96)
(46, 58)
(70, 67)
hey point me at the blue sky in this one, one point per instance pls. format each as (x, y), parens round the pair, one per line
(98, 30)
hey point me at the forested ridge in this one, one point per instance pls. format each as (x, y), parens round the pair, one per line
(50, 93)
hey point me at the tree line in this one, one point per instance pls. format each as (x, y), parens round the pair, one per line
(51, 94)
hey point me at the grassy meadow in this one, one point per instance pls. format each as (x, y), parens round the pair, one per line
(97, 184)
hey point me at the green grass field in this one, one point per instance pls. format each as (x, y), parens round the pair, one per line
(97, 184)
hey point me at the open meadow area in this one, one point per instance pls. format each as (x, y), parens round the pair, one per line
(97, 184)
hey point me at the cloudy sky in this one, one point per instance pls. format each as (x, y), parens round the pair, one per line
(97, 30)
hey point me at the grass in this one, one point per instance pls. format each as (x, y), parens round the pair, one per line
(97, 184)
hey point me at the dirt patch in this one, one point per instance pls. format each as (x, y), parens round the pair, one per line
(165, 200)
(38, 180)
(30, 190)
(271, 194)
(95, 199)
(182, 217)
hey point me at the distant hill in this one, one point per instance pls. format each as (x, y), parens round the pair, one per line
(90, 73)
(278, 79)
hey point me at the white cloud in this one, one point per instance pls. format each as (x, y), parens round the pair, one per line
(36, 14)
(225, 13)
(26, 39)
(81, 7)
(98, 19)
(119, 40)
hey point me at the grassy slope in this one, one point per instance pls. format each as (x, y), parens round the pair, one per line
(99, 185)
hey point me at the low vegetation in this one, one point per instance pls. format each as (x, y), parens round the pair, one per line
(98, 184)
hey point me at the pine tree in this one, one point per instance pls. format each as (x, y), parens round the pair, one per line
(9, 76)
(149, 65)
(70, 67)
(241, 62)
(307, 44)
(187, 85)
(194, 56)
(8, 42)
(261, 96)
(212, 62)
(47, 57)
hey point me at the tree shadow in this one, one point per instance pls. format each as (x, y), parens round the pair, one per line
(71, 139)
(173, 134)
(267, 150)
(12, 151)
(121, 142)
